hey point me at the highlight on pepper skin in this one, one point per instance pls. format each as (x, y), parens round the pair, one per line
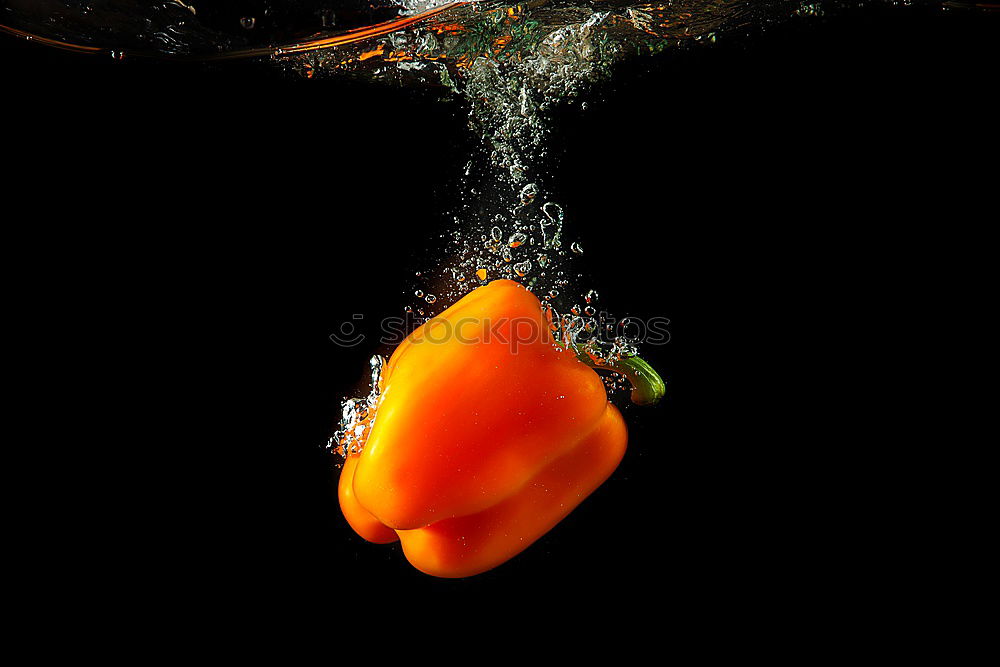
(467, 480)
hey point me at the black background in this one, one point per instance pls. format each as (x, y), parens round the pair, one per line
(189, 236)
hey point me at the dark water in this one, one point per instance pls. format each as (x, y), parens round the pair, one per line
(192, 233)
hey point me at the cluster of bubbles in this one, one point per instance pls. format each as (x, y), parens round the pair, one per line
(525, 242)
(506, 225)
(597, 342)
(509, 99)
(522, 241)
(358, 416)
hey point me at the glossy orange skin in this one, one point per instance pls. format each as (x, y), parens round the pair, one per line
(361, 520)
(480, 445)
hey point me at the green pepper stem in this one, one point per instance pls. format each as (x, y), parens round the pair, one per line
(647, 385)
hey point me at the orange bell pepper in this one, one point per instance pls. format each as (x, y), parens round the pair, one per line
(486, 435)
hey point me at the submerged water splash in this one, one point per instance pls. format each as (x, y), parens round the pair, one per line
(513, 63)
(358, 416)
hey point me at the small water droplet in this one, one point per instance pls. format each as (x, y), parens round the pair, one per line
(430, 298)
(576, 248)
(248, 22)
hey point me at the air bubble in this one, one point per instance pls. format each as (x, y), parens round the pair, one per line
(528, 193)
(553, 212)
